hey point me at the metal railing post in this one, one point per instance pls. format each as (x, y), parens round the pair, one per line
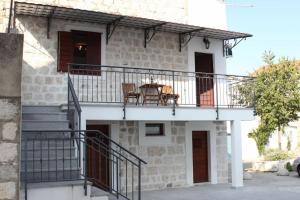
(25, 183)
(217, 99)
(124, 104)
(139, 182)
(173, 79)
(117, 176)
(68, 92)
(85, 165)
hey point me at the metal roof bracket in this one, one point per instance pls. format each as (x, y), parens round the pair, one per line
(150, 32)
(49, 20)
(228, 46)
(110, 28)
(185, 38)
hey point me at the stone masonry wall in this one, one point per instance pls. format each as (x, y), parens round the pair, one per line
(10, 114)
(166, 165)
(42, 84)
(169, 10)
(222, 157)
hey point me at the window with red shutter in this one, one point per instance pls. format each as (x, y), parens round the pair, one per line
(65, 51)
(79, 47)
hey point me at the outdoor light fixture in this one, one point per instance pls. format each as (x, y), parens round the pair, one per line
(206, 42)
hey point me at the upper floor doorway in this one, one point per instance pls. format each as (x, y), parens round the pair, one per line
(204, 79)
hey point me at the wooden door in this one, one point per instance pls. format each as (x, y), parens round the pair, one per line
(204, 81)
(97, 156)
(200, 156)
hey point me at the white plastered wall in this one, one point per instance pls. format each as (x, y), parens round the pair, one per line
(207, 13)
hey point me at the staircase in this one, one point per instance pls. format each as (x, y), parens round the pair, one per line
(51, 155)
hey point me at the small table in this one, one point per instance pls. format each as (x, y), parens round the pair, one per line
(151, 92)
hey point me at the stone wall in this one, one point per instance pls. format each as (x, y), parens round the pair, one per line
(42, 84)
(222, 154)
(10, 113)
(169, 10)
(166, 164)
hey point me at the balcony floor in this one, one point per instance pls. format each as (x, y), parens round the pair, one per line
(165, 113)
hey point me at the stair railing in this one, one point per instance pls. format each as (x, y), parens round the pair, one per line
(74, 109)
(127, 169)
(52, 159)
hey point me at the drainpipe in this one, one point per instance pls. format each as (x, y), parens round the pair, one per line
(10, 15)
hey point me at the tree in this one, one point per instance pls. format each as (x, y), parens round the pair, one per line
(276, 97)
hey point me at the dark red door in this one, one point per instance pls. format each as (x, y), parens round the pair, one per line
(200, 156)
(204, 79)
(97, 156)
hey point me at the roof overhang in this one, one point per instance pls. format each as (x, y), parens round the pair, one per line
(64, 13)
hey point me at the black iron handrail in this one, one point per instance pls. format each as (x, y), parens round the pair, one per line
(52, 159)
(72, 97)
(104, 85)
(98, 67)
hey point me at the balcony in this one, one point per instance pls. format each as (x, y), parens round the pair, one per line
(157, 89)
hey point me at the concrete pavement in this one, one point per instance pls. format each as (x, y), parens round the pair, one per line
(264, 186)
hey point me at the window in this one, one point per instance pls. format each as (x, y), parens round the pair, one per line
(154, 129)
(79, 47)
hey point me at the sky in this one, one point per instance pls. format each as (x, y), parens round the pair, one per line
(275, 26)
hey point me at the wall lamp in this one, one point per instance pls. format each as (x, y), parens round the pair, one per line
(206, 42)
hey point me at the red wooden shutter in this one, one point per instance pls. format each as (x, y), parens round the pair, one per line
(94, 48)
(65, 51)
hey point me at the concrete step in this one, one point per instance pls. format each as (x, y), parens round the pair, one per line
(97, 192)
(38, 175)
(59, 190)
(51, 163)
(39, 109)
(47, 144)
(45, 125)
(52, 116)
(51, 153)
(47, 135)
(55, 184)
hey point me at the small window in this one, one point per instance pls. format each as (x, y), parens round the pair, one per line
(156, 129)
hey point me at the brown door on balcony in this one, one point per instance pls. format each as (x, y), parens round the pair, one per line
(97, 157)
(204, 80)
(200, 156)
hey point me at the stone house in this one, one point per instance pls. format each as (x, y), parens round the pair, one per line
(125, 96)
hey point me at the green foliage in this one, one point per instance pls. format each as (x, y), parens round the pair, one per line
(268, 57)
(276, 92)
(261, 137)
(276, 154)
(289, 167)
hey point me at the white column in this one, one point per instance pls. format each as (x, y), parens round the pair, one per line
(236, 154)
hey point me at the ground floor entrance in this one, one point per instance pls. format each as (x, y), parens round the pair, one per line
(200, 156)
(97, 156)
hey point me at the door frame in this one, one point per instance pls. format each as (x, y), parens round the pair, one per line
(210, 127)
(114, 129)
(197, 92)
(108, 164)
(198, 133)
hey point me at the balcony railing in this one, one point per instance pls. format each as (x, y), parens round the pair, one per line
(158, 87)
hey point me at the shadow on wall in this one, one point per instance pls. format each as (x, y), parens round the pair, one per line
(41, 83)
